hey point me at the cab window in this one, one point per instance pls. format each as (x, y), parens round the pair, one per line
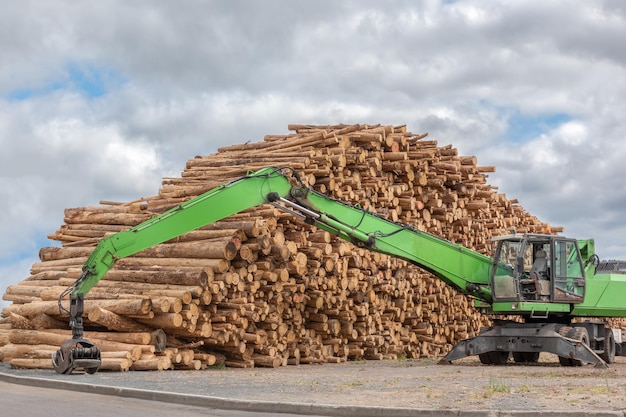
(568, 272)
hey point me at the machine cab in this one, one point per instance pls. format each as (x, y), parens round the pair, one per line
(540, 268)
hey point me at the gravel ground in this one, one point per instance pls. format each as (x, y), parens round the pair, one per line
(420, 384)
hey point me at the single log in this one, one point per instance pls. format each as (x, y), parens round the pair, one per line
(128, 307)
(35, 337)
(223, 248)
(11, 350)
(27, 363)
(159, 275)
(113, 321)
(83, 215)
(20, 322)
(135, 338)
(151, 364)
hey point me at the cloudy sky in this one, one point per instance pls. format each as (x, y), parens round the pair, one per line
(100, 100)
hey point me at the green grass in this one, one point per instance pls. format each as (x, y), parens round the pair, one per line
(495, 386)
(357, 383)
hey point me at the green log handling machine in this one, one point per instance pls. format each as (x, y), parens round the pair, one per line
(555, 286)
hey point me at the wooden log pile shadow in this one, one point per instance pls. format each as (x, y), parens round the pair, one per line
(262, 288)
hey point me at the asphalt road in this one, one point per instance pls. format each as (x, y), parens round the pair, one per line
(25, 401)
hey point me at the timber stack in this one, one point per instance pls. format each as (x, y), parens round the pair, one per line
(262, 288)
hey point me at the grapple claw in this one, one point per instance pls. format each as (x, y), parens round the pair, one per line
(77, 353)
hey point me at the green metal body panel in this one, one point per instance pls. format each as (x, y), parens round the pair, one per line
(604, 293)
(534, 309)
(216, 204)
(605, 296)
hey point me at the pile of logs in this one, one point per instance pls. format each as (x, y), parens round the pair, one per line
(262, 288)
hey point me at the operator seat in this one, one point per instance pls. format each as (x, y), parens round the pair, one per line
(539, 270)
(539, 274)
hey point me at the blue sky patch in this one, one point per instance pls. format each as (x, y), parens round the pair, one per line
(523, 128)
(28, 250)
(93, 81)
(26, 93)
(90, 80)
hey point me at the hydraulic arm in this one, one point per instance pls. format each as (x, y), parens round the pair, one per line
(457, 266)
(218, 203)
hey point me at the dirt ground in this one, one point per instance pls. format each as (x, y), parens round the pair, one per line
(470, 385)
(466, 385)
(419, 384)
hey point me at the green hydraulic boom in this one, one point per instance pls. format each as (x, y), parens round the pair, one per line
(503, 285)
(218, 203)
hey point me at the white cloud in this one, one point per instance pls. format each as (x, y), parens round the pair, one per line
(101, 152)
(509, 82)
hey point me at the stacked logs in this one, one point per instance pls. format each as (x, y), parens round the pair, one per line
(262, 288)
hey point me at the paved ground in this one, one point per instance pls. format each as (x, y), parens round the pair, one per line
(542, 389)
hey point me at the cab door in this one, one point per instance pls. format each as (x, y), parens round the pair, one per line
(568, 272)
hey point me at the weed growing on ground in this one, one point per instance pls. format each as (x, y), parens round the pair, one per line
(494, 386)
(356, 383)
